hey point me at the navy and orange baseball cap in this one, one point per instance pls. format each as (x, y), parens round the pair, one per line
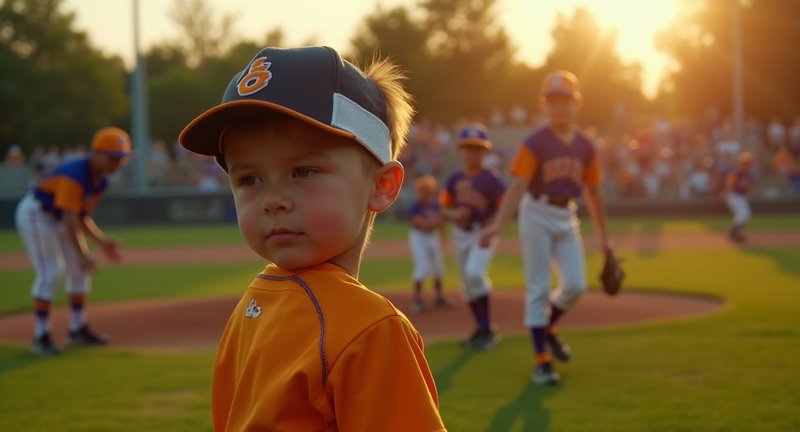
(561, 82)
(312, 84)
(112, 141)
(474, 134)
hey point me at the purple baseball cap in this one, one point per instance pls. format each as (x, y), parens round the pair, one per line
(312, 84)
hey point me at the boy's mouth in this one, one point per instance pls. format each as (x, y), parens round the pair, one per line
(282, 235)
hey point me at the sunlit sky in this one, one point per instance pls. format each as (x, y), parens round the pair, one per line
(528, 23)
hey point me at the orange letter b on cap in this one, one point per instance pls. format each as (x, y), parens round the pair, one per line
(257, 77)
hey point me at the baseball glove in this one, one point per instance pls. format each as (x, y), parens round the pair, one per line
(612, 274)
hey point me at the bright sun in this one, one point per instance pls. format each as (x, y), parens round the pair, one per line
(636, 23)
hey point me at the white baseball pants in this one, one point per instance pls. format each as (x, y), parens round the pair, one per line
(426, 253)
(739, 206)
(49, 250)
(472, 261)
(550, 234)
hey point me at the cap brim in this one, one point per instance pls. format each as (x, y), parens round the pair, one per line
(560, 91)
(475, 142)
(116, 153)
(202, 135)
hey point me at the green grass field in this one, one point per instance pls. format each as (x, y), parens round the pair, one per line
(735, 370)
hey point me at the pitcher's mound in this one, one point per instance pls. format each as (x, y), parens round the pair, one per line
(196, 324)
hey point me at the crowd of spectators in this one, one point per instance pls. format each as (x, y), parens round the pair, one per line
(661, 158)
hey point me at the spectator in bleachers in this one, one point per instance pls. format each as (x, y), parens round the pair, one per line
(158, 165)
(776, 134)
(794, 139)
(14, 157)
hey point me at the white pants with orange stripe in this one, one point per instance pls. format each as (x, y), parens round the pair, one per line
(49, 250)
(472, 261)
(550, 234)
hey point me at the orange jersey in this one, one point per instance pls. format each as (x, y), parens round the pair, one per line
(315, 350)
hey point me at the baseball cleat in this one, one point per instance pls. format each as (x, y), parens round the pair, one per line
(85, 337)
(545, 375)
(558, 348)
(44, 346)
(482, 340)
(417, 306)
(468, 342)
(443, 303)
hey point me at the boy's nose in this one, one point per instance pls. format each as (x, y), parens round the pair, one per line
(276, 200)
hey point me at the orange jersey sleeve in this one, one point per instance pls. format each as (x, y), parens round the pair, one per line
(445, 199)
(388, 365)
(67, 193)
(525, 164)
(591, 173)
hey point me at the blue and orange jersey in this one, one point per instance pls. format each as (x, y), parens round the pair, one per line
(70, 187)
(315, 350)
(738, 181)
(420, 212)
(554, 168)
(480, 192)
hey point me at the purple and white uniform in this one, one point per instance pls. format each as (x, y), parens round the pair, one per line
(481, 194)
(425, 243)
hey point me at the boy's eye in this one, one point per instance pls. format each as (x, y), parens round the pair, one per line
(248, 180)
(304, 172)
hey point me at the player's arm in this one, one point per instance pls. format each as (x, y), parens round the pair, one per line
(508, 206)
(449, 209)
(522, 171)
(75, 237)
(597, 210)
(109, 246)
(592, 178)
(382, 382)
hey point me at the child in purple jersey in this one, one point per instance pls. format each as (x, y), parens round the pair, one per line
(554, 166)
(425, 243)
(737, 185)
(470, 200)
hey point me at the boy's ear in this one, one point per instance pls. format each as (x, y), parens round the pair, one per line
(388, 181)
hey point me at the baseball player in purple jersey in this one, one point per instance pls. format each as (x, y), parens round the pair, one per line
(470, 200)
(425, 243)
(737, 185)
(553, 167)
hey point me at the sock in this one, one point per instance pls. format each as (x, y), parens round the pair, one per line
(473, 306)
(417, 290)
(538, 335)
(555, 313)
(77, 315)
(41, 324)
(483, 308)
(437, 285)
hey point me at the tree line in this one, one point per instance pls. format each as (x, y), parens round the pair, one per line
(56, 88)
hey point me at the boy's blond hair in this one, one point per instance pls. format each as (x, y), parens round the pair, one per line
(389, 79)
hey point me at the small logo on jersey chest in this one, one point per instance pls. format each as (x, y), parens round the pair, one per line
(253, 310)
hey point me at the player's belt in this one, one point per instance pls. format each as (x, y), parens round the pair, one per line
(553, 200)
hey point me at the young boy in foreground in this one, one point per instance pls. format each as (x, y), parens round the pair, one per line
(309, 142)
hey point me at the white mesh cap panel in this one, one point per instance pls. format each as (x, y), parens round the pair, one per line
(368, 129)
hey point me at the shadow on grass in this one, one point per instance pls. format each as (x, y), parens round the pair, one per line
(528, 406)
(16, 359)
(444, 376)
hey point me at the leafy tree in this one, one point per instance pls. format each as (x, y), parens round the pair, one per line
(700, 41)
(55, 87)
(202, 37)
